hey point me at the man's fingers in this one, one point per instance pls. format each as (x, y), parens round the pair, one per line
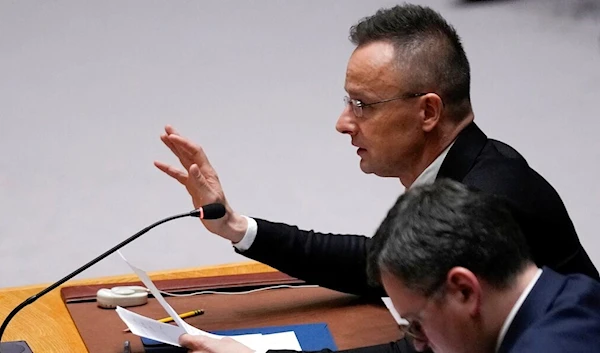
(191, 342)
(193, 152)
(171, 130)
(187, 151)
(185, 340)
(181, 155)
(197, 342)
(165, 139)
(173, 172)
(185, 145)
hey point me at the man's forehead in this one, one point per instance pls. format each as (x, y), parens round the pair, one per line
(397, 290)
(372, 69)
(374, 54)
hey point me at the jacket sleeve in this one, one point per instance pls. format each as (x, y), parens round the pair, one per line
(333, 261)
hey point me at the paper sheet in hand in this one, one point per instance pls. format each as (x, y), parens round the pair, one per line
(162, 332)
(145, 327)
(150, 328)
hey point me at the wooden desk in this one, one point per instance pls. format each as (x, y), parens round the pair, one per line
(46, 324)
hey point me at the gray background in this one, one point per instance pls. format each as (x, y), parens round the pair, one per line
(86, 87)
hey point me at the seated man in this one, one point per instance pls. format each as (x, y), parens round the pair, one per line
(402, 132)
(456, 266)
(410, 118)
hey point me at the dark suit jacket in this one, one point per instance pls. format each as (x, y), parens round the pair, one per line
(339, 262)
(560, 314)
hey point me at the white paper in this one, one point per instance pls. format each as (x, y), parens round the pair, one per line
(254, 341)
(150, 328)
(166, 333)
(145, 327)
(282, 340)
(265, 342)
(150, 285)
(388, 303)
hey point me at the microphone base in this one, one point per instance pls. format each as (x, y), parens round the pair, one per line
(15, 347)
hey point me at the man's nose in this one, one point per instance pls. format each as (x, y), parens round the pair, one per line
(345, 123)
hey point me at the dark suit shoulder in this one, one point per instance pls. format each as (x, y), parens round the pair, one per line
(512, 177)
(496, 168)
(571, 322)
(579, 291)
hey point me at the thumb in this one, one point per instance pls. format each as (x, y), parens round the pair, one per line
(192, 342)
(197, 185)
(197, 177)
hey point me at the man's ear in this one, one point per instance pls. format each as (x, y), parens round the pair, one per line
(464, 289)
(431, 108)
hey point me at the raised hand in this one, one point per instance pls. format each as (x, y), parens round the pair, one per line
(202, 183)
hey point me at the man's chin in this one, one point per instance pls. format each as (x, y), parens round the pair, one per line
(365, 167)
(380, 172)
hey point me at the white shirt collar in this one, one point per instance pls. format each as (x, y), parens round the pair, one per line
(430, 173)
(516, 307)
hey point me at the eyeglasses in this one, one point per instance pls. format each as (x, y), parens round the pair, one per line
(414, 330)
(358, 105)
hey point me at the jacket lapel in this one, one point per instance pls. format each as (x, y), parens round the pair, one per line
(536, 304)
(464, 152)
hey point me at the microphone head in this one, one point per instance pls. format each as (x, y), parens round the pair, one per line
(213, 211)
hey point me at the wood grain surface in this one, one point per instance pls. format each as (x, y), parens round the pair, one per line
(46, 324)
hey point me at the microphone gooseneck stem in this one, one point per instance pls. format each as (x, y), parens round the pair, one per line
(85, 267)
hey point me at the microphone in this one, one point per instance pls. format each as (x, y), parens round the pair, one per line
(210, 211)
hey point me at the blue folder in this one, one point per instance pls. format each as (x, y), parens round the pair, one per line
(312, 337)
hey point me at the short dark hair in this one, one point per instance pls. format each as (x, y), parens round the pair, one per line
(436, 227)
(428, 46)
